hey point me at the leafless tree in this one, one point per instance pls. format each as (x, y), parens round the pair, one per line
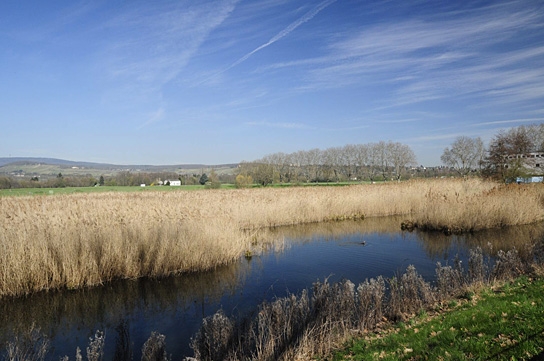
(464, 155)
(400, 156)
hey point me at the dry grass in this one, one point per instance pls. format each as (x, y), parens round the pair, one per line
(80, 240)
(461, 209)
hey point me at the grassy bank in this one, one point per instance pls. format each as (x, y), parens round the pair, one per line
(86, 239)
(496, 323)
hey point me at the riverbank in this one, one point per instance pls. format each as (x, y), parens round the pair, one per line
(308, 326)
(85, 240)
(316, 323)
(500, 322)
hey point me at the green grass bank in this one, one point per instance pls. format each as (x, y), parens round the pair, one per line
(496, 323)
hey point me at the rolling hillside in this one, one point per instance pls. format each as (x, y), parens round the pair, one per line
(47, 167)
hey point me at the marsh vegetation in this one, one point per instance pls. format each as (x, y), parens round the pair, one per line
(82, 240)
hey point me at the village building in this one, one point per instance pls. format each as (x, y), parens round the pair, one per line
(532, 164)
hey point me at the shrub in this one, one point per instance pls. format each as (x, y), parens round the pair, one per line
(508, 265)
(449, 280)
(213, 339)
(370, 296)
(409, 294)
(243, 181)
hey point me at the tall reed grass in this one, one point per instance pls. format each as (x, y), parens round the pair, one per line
(81, 240)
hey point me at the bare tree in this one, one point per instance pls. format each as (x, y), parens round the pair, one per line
(374, 157)
(361, 158)
(400, 156)
(464, 155)
(331, 162)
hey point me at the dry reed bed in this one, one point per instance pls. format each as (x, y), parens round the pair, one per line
(500, 206)
(80, 240)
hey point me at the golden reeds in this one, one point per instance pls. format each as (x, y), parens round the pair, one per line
(79, 240)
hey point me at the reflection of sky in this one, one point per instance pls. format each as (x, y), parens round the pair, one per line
(175, 306)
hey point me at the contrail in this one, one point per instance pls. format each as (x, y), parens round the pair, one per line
(305, 18)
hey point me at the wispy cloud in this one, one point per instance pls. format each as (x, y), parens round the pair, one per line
(156, 43)
(278, 125)
(447, 56)
(510, 122)
(153, 117)
(283, 33)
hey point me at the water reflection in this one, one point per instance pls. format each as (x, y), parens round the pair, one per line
(286, 259)
(71, 317)
(437, 244)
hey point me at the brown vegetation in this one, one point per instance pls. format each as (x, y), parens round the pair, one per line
(474, 207)
(72, 241)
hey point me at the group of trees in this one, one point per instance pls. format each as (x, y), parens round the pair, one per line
(505, 157)
(373, 161)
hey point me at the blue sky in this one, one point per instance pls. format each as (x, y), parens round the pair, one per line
(196, 81)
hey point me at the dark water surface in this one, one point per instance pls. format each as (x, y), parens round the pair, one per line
(302, 255)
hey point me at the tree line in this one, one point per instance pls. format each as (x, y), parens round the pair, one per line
(505, 158)
(372, 161)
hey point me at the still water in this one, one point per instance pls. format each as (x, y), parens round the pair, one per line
(295, 258)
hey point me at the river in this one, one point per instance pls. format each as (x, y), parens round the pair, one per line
(294, 258)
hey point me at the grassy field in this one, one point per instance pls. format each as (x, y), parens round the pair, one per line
(73, 190)
(500, 323)
(86, 239)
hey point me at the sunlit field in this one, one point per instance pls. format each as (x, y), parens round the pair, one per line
(86, 239)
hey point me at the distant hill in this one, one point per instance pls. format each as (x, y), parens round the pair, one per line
(48, 166)
(52, 161)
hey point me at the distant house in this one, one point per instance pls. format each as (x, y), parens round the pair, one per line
(175, 183)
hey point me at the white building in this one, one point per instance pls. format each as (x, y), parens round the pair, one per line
(533, 162)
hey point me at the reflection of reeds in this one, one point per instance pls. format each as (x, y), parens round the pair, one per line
(73, 241)
(85, 308)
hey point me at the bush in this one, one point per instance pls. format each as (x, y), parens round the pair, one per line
(243, 181)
